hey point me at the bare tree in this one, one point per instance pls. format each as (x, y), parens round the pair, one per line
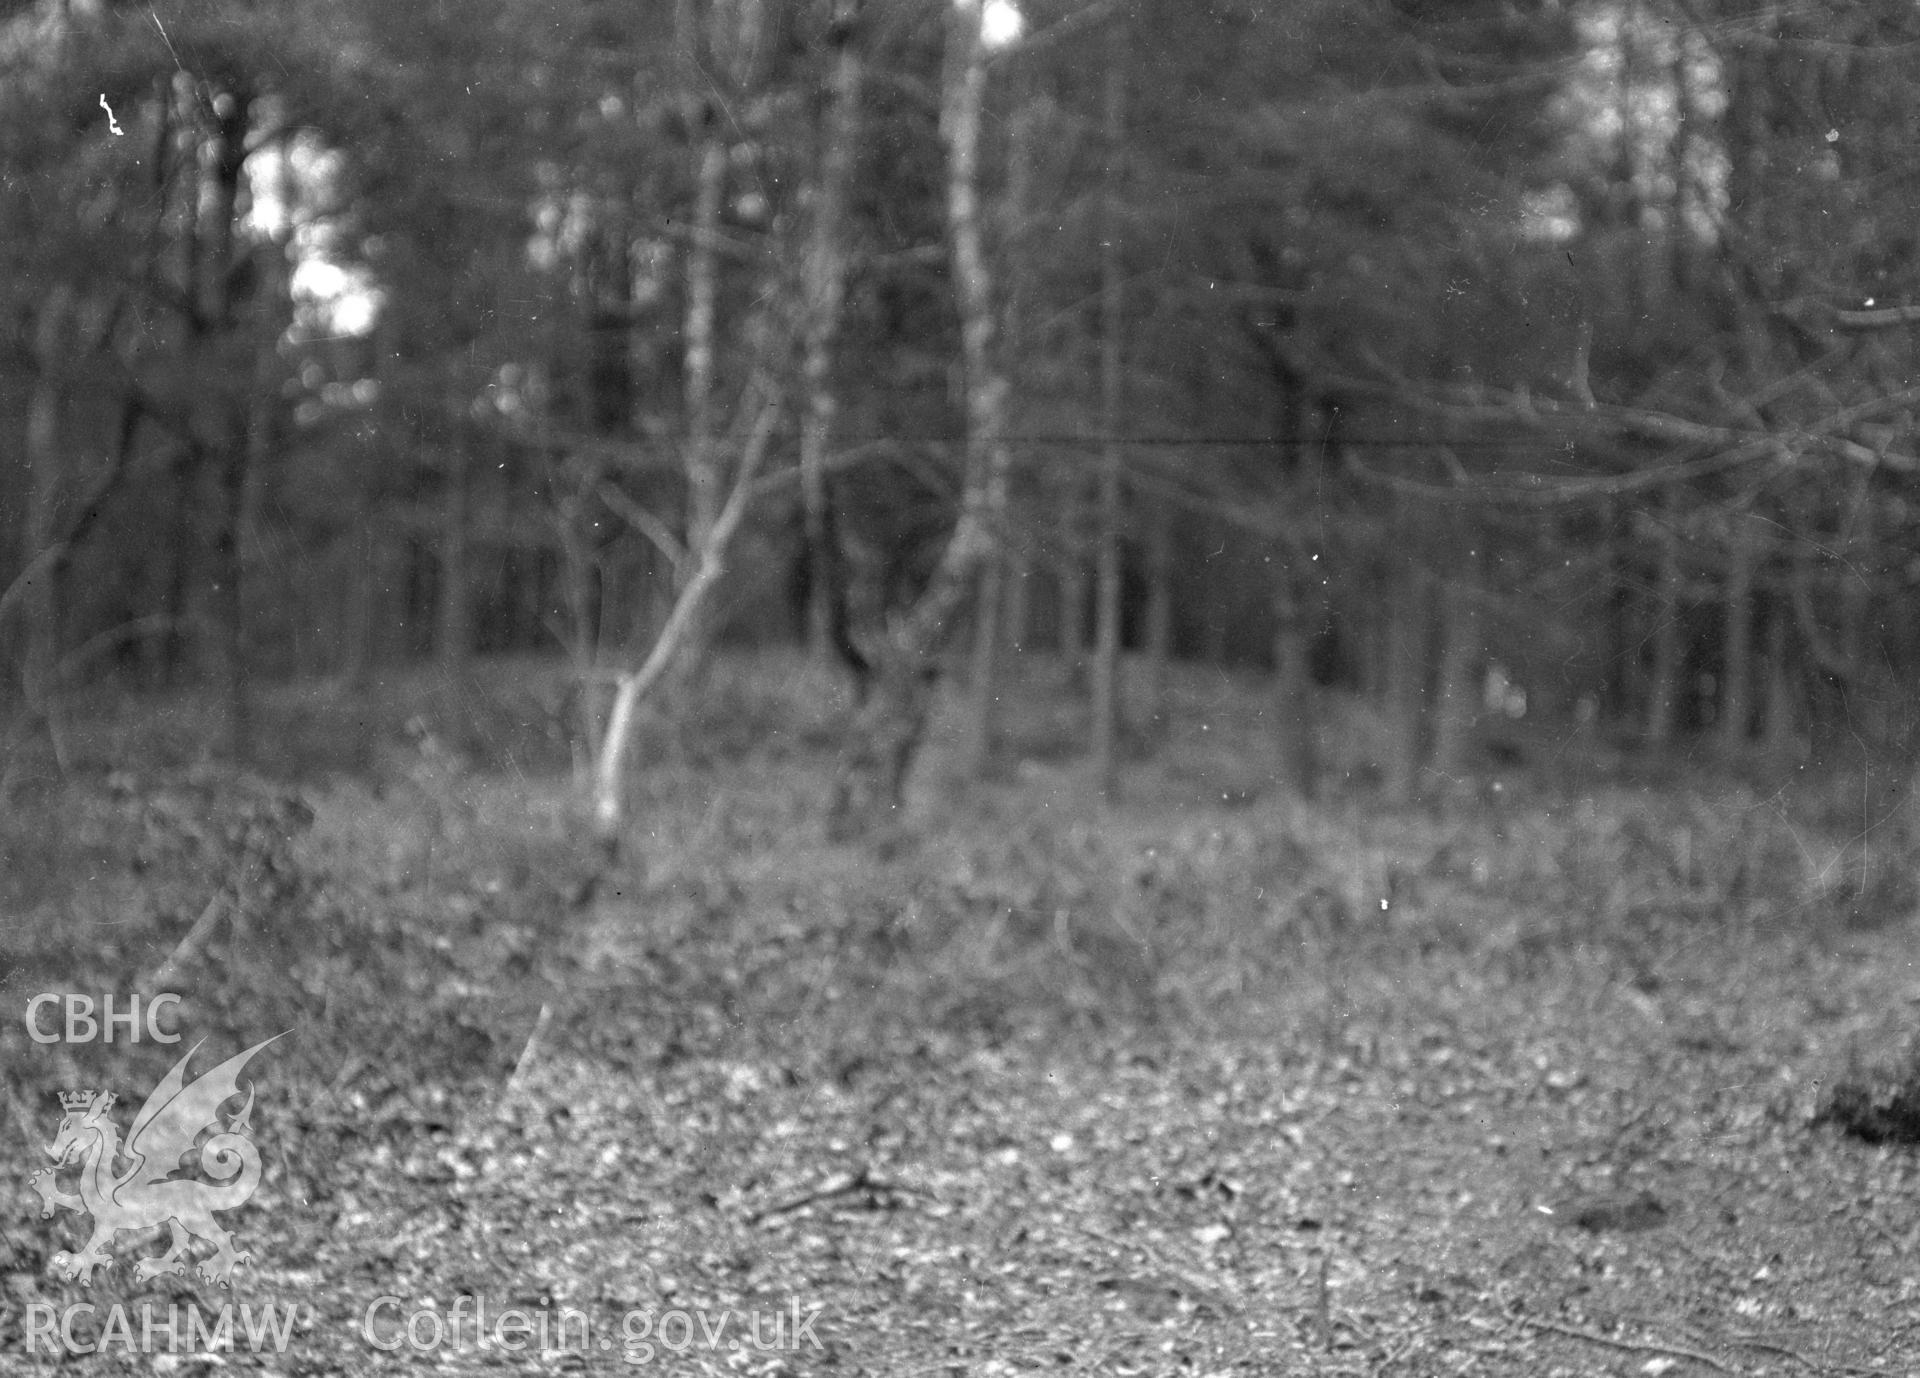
(1159, 616)
(222, 434)
(52, 326)
(890, 726)
(724, 41)
(1000, 609)
(1663, 688)
(1108, 707)
(703, 566)
(1736, 658)
(1457, 685)
(823, 292)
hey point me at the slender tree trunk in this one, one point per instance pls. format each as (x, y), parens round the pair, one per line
(1406, 685)
(891, 724)
(1736, 658)
(51, 330)
(716, 504)
(187, 191)
(455, 632)
(983, 679)
(1458, 690)
(1071, 580)
(166, 649)
(1295, 695)
(1631, 177)
(1857, 611)
(701, 461)
(1663, 688)
(1779, 725)
(1019, 614)
(706, 564)
(1622, 670)
(1108, 709)
(363, 545)
(48, 553)
(582, 595)
(998, 579)
(1688, 204)
(231, 449)
(827, 265)
(1376, 634)
(1159, 616)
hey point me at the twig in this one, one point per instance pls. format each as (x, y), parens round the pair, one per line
(845, 1185)
(1755, 1342)
(188, 946)
(1631, 1346)
(1194, 1283)
(344, 1078)
(525, 1059)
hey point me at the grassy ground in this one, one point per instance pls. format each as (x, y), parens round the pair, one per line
(1206, 1082)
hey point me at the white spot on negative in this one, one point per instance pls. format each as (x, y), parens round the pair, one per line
(1001, 23)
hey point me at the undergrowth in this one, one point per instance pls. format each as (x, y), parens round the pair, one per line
(434, 900)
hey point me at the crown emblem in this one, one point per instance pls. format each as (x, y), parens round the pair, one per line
(75, 1101)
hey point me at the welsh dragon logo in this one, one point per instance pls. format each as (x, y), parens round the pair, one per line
(146, 1193)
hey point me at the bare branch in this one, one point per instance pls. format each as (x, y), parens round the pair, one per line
(642, 520)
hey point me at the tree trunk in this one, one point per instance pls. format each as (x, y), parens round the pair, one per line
(41, 610)
(705, 565)
(229, 414)
(889, 727)
(1296, 697)
(1406, 687)
(1457, 705)
(1108, 709)
(455, 632)
(1857, 612)
(716, 505)
(360, 617)
(167, 649)
(47, 553)
(1159, 618)
(701, 463)
(827, 265)
(1071, 578)
(701, 460)
(983, 681)
(1001, 598)
(1621, 667)
(1019, 614)
(1736, 658)
(870, 787)
(1663, 686)
(1779, 725)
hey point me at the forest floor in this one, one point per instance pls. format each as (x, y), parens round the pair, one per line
(1205, 1081)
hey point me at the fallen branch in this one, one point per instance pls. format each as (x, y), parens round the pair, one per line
(847, 1184)
(1774, 1346)
(1677, 1351)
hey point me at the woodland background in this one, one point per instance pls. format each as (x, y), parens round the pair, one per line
(1377, 345)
